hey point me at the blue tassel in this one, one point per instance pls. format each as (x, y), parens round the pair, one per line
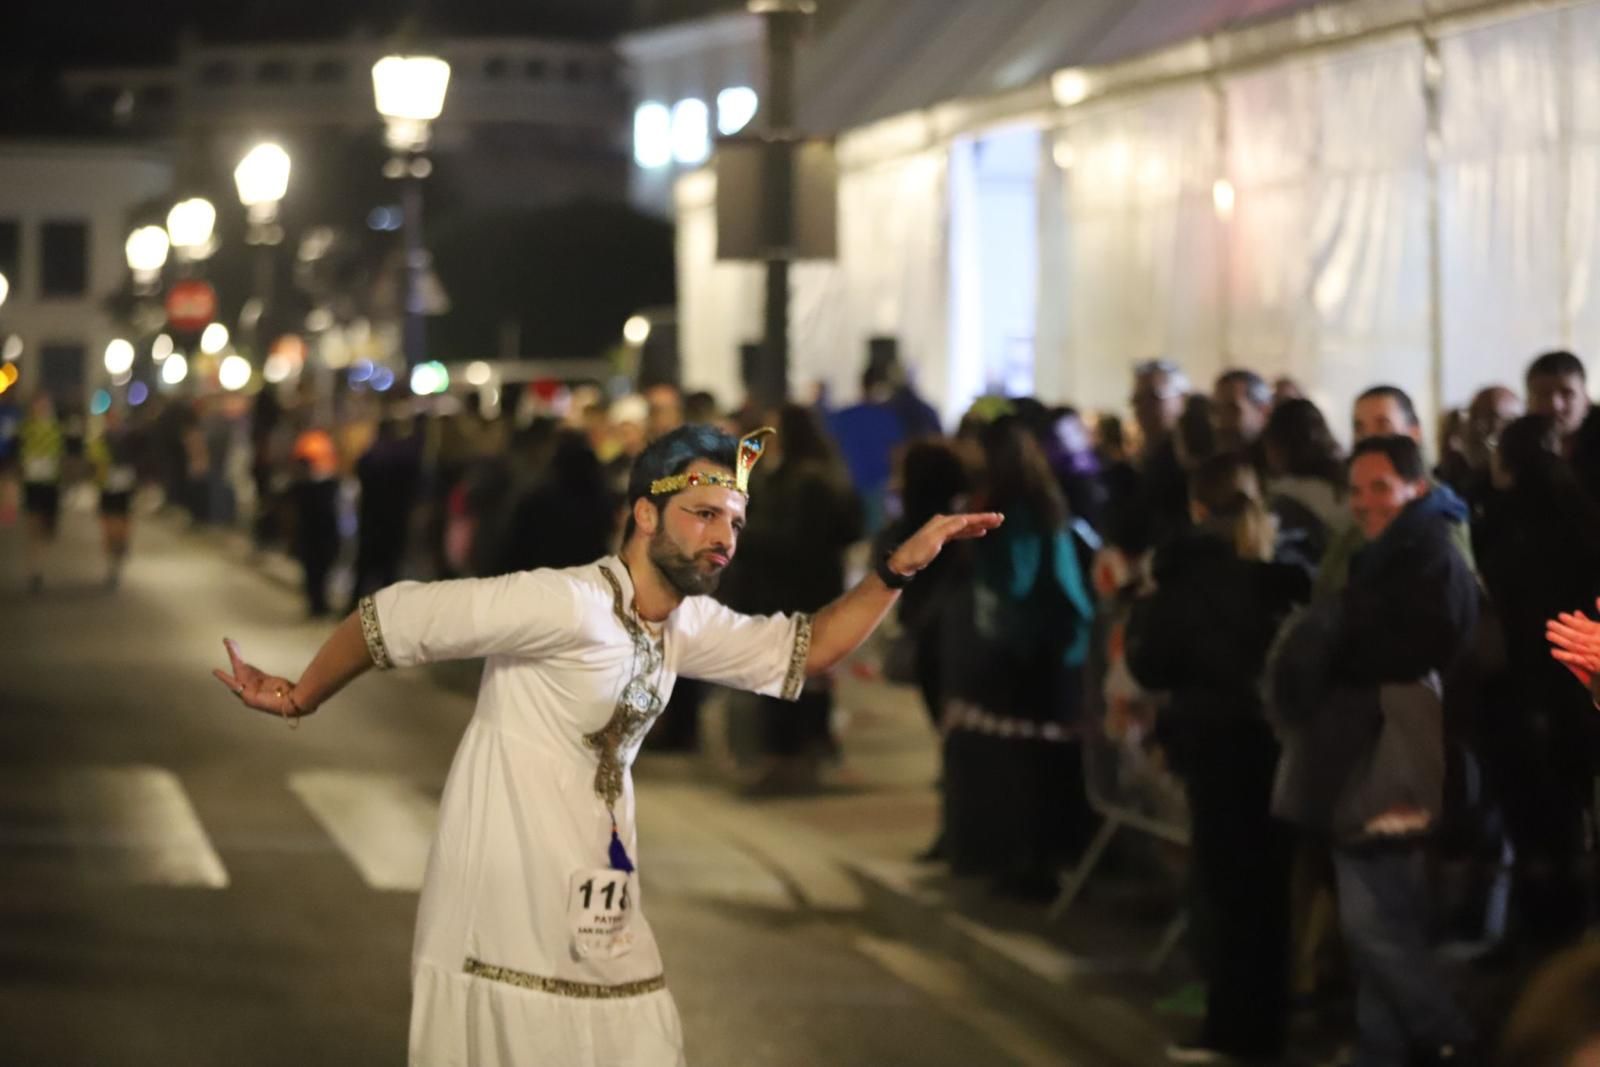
(619, 855)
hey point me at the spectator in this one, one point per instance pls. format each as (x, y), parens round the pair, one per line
(1381, 411)
(1355, 685)
(665, 404)
(889, 415)
(1203, 635)
(1538, 547)
(1149, 499)
(388, 473)
(1305, 483)
(1240, 403)
(1465, 468)
(567, 516)
(1557, 386)
(791, 558)
(315, 494)
(933, 481)
(1015, 642)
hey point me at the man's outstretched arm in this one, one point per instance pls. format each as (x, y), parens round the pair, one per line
(840, 627)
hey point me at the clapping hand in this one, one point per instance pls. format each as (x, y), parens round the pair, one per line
(1575, 643)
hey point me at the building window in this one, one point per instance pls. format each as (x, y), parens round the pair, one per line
(63, 259)
(573, 71)
(535, 70)
(275, 72)
(329, 71)
(218, 72)
(495, 69)
(61, 370)
(11, 253)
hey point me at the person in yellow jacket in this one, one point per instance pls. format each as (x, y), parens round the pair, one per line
(42, 447)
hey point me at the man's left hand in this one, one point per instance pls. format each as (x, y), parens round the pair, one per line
(924, 546)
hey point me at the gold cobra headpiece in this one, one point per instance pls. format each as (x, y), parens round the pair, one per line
(751, 448)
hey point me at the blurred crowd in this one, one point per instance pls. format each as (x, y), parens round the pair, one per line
(1338, 652)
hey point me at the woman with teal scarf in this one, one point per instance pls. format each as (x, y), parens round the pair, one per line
(1015, 808)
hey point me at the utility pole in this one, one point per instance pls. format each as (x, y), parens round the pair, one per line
(784, 22)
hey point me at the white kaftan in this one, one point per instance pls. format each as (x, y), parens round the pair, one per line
(495, 976)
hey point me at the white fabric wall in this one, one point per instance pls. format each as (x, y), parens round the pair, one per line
(1500, 197)
(889, 279)
(1327, 258)
(719, 304)
(1141, 263)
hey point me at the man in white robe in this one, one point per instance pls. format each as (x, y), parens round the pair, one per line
(531, 944)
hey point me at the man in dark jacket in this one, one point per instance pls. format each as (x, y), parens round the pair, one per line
(1363, 668)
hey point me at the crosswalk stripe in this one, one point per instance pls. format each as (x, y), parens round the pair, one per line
(137, 826)
(383, 823)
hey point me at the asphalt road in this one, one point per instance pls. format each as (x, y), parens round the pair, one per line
(186, 882)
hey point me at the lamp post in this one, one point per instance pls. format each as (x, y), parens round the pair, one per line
(191, 225)
(409, 93)
(147, 249)
(262, 178)
(784, 21)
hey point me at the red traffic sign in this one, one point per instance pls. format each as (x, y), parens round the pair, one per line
(191, 305)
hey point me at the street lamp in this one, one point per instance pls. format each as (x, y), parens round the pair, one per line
(190, 225)
(5, 289)
(409, 93)
(262, 177)
(147, 249)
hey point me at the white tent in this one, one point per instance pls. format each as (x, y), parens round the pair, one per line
(1405, 191)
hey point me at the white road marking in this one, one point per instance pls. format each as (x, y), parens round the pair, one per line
(958, 994)
(383, 823)
(681, 855)
(135, 824)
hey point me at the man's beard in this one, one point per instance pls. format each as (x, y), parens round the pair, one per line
(681, 571)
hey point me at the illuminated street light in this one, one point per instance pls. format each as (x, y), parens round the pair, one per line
(214, 339)
(119, 357)
(191, 224)
(147, 249)
(636, 331)
(234, 373)
(161, 347)
(262, 177)
(735, 108)
(409, 93)
(652, 135)
(175, 369)
(5, 289)
(691, 131)
(479, 373)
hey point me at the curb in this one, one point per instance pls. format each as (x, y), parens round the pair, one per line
(1059, 985)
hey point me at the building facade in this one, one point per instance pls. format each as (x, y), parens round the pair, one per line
(63, 223)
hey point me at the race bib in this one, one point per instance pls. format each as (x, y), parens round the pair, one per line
(121, 479)
(600, 913)
(41, 469)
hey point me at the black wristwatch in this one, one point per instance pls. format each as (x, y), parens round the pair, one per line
(890, 577)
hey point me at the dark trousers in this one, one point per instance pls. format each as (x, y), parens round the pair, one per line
(1241, 861)
(1403, 1003)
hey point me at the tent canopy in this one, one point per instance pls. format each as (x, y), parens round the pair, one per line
(870, 59)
